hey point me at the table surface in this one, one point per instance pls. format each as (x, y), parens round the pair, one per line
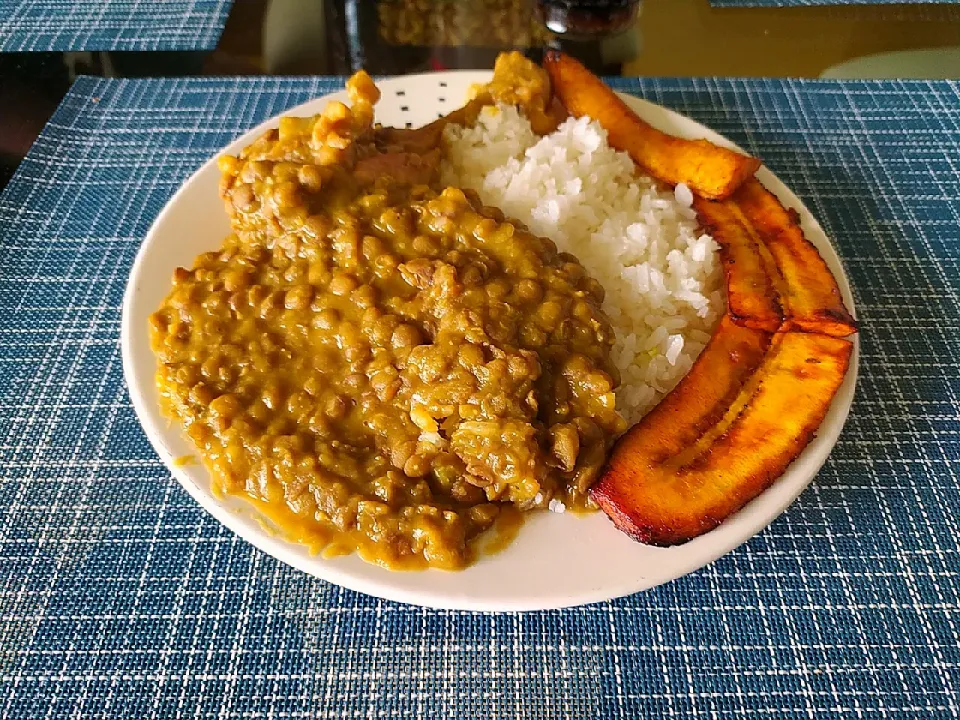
(87, 25)
(310, 37)
(120, 597)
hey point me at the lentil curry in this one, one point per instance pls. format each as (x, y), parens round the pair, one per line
(380, 364)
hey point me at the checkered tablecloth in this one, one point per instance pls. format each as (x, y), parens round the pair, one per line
(82, 25)
(121, 598)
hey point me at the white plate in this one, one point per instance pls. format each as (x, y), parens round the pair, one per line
(557, 560)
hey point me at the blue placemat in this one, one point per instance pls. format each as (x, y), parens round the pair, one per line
(120, 598)
(80, 25)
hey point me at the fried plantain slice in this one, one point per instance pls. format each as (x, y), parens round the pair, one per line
(752, 277)
(709, 170)
(725, 433)
(809, 291)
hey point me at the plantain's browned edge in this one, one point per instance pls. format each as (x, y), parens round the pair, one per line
(769, 318)
(606, 492)
(680, 529)
(658, 535)
(565, 70)
(833, 318)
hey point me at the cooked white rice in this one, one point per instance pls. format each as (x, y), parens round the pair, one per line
(662, 278)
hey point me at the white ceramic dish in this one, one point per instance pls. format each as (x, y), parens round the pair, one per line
(557, 560)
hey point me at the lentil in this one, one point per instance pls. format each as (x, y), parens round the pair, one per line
(377, 364)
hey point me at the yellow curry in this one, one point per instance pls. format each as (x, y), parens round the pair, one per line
(380, 364)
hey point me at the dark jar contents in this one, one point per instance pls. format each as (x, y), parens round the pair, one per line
(588, 19)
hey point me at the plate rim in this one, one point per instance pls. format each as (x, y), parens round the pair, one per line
(150, 419)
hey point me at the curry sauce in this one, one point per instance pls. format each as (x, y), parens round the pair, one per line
(379, 364)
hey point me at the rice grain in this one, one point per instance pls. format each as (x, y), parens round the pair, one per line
(638, 239)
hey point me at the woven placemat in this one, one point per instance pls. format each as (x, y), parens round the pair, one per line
(121, 598)
(85, 25)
